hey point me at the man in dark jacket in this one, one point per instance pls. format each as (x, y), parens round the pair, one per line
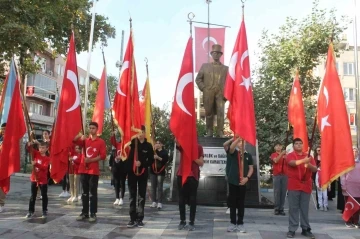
(137, 165)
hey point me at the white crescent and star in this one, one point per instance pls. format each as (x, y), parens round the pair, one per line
(183, 82)
(123, 68)
(324, 120)
(246, 81)
(232, 65)
(206, 40)
(70, 75)
(352, 206)
(87, 152)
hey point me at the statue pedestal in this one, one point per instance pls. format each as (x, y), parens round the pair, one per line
(212, 188)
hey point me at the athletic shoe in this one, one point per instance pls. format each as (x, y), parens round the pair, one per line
(182, 225)
(321, 208)
(131, 224)
(79, 197)
(357, 225)
(140, 224)
(67, 194)
(191, 226)
(121, 202)
(290, 234)
(44, 214)
(116, 201)
(231, 228)
(308, 234)
(29, 215)
(70, 199)
(92, 217)
(241, 228)
(74, 199)
(159, 206)
(349, 225)
(276, 212)
(82, 217)
(62, 195)
(326, 209)
(228, 210)
(282, 213)
(153, 205)
(2, 208)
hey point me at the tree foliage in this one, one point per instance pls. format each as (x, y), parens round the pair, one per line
(299, 44)
(30, 26)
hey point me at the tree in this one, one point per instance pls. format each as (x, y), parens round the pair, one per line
(30, 26)
(299, 44)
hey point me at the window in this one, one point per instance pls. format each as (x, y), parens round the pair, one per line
(352, 119)
(82, 80)
(60, 70)
(36, 108)
(349, 94)
(348, 68)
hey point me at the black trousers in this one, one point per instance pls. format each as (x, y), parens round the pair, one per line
(66, 183)
(236, 200)
(187, 195)
(119, 184)
(34, 189)
(89, 184)
(137, 185)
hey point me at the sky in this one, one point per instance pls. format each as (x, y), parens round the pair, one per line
(161, 32)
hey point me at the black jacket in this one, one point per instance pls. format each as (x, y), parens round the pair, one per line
(165, 158)
(116, 167)
(145, 156)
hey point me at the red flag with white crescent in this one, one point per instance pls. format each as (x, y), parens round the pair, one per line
(183, 118)
(336, 145)
(69, 121)
(203, 42)
(238, 90)
(126, 108)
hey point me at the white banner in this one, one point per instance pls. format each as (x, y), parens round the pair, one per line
(215, 161)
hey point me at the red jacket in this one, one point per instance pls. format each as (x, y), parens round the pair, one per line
(92, 148)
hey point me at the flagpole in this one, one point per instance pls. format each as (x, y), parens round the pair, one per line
(89, 63)
(356, 78)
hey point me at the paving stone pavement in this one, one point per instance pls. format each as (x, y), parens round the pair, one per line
(211, 222)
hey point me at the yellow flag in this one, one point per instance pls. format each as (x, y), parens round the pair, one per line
(146, 112)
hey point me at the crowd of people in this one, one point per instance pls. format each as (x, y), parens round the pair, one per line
(294, 175)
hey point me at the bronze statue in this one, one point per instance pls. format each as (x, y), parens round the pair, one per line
(211, 81)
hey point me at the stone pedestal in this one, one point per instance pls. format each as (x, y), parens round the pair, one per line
(212, 188)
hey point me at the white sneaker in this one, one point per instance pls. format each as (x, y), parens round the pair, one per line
(241, 228)
(116, 202)
(159, 206)
(62, 195)
(121, 202)
(67, 194)
(70, 199)
(325, 209)
(79, 197)
(153, 205)
(231, 228)
(2, 208)
(321, 208)
(228, 210)
(74, 199)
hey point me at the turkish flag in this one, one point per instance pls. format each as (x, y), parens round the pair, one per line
(238, 90)
(296, 113)
(336, 145)
(351, 207)
(69, 121)
(202, 42)
(126, 108)
(183, 118)
(102, 102)
(15, 130)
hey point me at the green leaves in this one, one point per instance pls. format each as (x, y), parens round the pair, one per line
(29, 26)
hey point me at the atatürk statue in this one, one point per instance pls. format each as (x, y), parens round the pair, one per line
(211, 81)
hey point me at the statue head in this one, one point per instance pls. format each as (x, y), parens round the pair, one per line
(216, 52)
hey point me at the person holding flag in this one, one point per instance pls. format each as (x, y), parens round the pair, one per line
(157, 174)
(300, 169)
(237, 187)
(141, 156)
(350, 185)
(95, 150)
